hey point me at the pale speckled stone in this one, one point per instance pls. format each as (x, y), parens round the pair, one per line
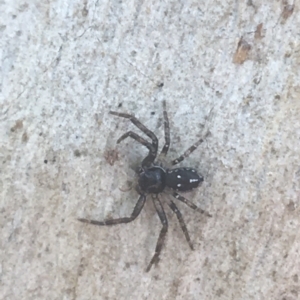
(65, 64)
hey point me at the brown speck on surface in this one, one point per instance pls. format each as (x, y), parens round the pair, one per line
(220, 292)
(77, 153)
(291, 206)
(18, 125)
(128, 187)
(81, 267)
(24, 137)
(85, 11)
(242, 52)
(98, 119)
(287, 12)
(258, 31)
(295, 278)
(250, 3)
(111, 156)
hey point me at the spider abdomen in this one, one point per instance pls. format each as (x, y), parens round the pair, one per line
(183, 179)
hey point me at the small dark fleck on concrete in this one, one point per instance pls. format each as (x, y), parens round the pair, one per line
(77, 153)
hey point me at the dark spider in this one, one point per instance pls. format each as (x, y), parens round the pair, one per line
(153, 178)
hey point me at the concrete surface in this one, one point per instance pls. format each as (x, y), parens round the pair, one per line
(230, 67)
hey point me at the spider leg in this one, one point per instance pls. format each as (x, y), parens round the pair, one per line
(136, 211)
(187, 152)
(181, 222)
(190, 204)
(160, 242)
(165, 149)
(139, 125)
(152, 153)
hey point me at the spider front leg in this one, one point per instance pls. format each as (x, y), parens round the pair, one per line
(152, 153)
(139, 125)
(165, 149)
(136, 211)
(189, 151)
(160, 242)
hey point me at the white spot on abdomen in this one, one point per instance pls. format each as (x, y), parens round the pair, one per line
(193, 180)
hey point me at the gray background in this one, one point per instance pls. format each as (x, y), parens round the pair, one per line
(65, 64)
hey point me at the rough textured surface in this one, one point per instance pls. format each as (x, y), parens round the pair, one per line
(229, 67)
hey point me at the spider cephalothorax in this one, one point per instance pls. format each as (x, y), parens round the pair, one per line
(154, 179)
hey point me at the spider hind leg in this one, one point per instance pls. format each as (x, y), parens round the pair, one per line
(189, 150)
(181, 222)
(161, 239)
(190, 204)
(136, 211)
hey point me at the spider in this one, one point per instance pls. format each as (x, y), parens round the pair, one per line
(154, 178)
